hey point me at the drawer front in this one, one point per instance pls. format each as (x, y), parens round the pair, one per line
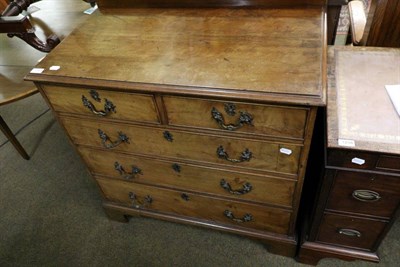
(363, 160)
(350, 231)
(241, 186)
(365, 193)
(182, 145)
(127, 106)
(288, 122)
(197, 206)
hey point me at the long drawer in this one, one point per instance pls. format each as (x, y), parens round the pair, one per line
(197, 206)
(280, 121)
(365, 193)
(241, 186)
(102, 103)
(243, 153)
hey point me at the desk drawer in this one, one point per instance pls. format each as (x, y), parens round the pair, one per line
(197, 206)
(365, 193)
(280, 121)
(230, 152)
(240, 186)
(127, 106)
(363, 160)
(350, 231)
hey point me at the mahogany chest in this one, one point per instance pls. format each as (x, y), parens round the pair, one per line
(198, 116)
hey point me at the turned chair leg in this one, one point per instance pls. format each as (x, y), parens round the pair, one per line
(10, 136)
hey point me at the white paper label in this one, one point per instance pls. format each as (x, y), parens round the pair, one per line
(55, 67)
(346, 142)
(394, 94)
(358, 161)
(37, 70)
(285, 151)
(90, 10)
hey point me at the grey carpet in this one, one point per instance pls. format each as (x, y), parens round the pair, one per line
(51, 215)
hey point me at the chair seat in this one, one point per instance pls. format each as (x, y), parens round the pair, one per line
(13, 87)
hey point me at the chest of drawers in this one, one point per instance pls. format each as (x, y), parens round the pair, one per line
(194, 116)
(359, 195)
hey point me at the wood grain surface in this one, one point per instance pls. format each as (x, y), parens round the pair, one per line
(277, 54)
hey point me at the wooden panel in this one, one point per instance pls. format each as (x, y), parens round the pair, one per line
(275, 53)
(384, 24)
(104, 4)
(128, 107)
(266, 156)
(387, 188)
(264, 189)
(3, 5)
(270, 120)
(369, 231)
(206, 208)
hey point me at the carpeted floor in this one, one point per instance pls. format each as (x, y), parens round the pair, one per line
(51, 215)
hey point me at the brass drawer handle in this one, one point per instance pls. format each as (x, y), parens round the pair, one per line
(349, 232)
(127, 175)
(245, 156)
(246, 218)
(247, 187)
(108, 105)
(147, 200)
(244, 118)
(366, 195)
(185, 197)
(108, 143)
(176, 167)
(168, 136)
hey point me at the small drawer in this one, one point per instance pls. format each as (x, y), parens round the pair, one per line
(102, 103)
(241, 186)
(279, 121)
(181, 203)
(365, 193)
(227, 152)
(352, 159)
(363, 160)
(350, 231)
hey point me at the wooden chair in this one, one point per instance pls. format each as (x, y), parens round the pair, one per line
(63, 21)
(378, 26)
(358, 21)
(14, 24)
(13, 88)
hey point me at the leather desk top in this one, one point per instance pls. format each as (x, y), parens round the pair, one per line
(360, 112)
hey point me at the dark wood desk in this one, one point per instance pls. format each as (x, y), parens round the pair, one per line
(359, 194)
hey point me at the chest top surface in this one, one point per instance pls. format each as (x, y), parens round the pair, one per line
(263, 54)
(361, 114)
